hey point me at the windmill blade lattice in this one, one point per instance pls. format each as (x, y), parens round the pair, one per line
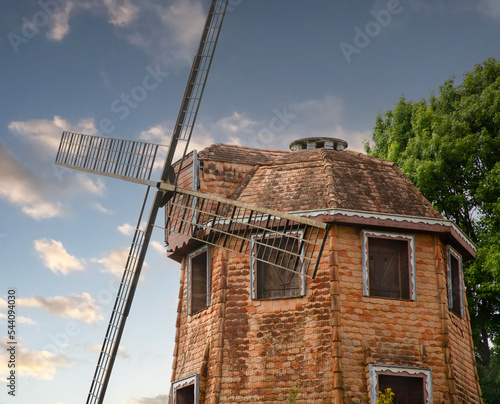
(121, 308)
(117, 158)
(284, 240)
(196, 85)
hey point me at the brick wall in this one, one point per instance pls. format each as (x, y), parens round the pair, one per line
(255, 351)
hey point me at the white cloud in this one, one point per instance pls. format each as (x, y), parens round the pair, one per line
(88, 185)
(56, 258)
(45, 134)
(37, 364)
(121, 12)
(310, 118)
(168, 32)
(114, 263)
(185, 19)
(60, 22)
(158, 247)
(79, 307)
(161, 399)
(41, 141)
(97, 206)
(126, 229)
(21, 187)
(20, 319)
(97, 348)
(118, 12)
(161, 134)
(317, 118)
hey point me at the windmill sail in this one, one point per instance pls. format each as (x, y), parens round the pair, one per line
(117, 158)
(263, 234)
(196, 85)
(128, 284)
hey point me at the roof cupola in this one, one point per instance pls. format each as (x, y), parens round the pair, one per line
(311, 143)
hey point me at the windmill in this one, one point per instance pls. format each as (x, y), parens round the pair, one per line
(289, 241)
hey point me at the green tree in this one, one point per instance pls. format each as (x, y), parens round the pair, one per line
(449, 146)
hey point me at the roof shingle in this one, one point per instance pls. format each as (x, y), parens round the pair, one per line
(322, 179)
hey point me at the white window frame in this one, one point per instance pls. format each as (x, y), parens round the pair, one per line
(451, 252)
(179, 384)
(190, 256)
(402, 371)
(253, 267)
(366, 234)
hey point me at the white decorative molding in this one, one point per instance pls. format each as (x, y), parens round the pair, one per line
(376, 370)
(179, 384)
(390, 217)
(411, 258)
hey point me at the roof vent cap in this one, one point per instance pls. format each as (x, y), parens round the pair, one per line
(311, 143)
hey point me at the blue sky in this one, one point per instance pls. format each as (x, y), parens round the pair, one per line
(283, 70)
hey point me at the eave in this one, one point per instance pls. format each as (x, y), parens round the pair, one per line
(448, 231)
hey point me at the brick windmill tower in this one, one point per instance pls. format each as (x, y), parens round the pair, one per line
(386, 307)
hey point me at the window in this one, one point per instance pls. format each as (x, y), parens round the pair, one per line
(389, 265)
(270, 281)
(456, 298)
(410, 385)
(186, 391)
(198, 282)
(407, 390)
(185, 395)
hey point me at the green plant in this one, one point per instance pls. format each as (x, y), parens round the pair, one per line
(292, 394)
(386, 397)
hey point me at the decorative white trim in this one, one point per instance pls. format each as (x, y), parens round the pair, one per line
(389, 216)
(450, 251)
(375, 370)
(179, 384)
(253, 265)
(411, 258)
(189, 276)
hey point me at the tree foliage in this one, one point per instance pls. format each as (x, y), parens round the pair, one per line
(449, 146)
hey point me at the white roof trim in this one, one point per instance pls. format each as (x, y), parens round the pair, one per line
(389, 216)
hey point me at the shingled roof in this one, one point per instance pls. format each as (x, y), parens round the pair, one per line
(334, 186)
(240, 154)
(323, 179)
